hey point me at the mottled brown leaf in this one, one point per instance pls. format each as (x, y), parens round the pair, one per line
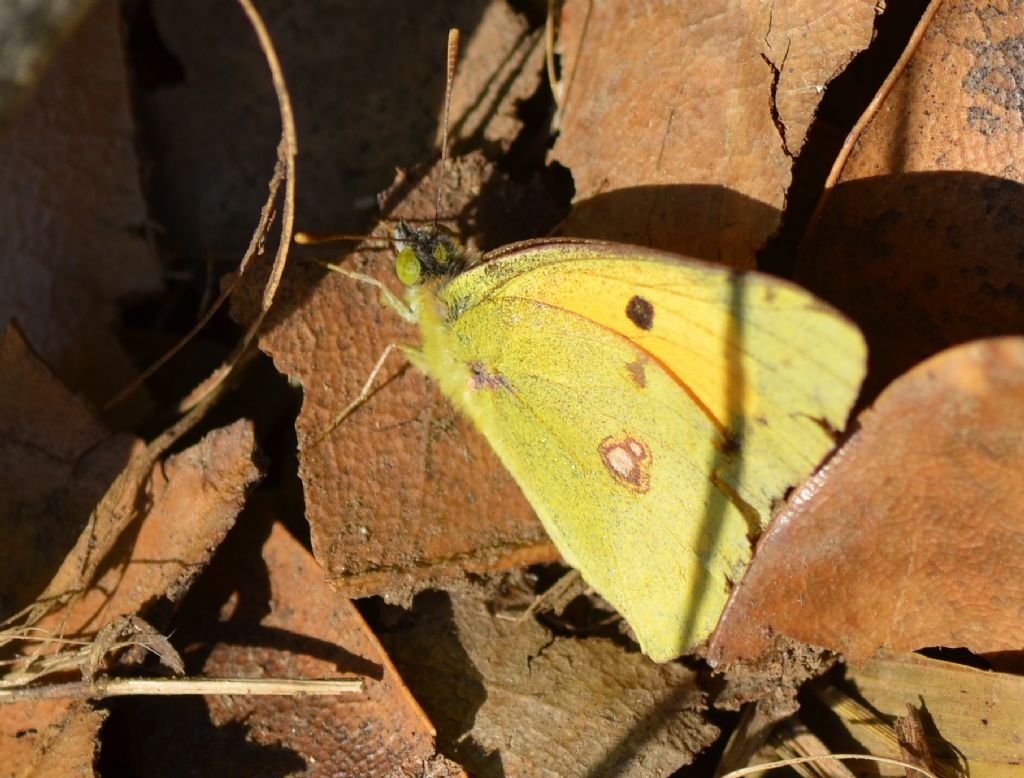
(404, 491)
(919, 237)
(508, 699)
(65, 748)
(679, 120)
(190, 503)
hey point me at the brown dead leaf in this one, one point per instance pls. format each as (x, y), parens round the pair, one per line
(679, 122)
(59, 465)
(56, 461)
(190, 503)
(500, 66)
(918, 240)
(367, 85)
(404, 492)
(65, 748)
(508, 699)
(264, 609)
(904, 539)
(72, 211)
(970, 719)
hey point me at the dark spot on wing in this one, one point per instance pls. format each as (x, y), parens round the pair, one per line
(483, 379)
(640, 312)
(628, 461)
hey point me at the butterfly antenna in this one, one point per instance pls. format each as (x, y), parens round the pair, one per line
(453, 56)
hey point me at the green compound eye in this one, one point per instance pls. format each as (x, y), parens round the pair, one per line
(407, 267)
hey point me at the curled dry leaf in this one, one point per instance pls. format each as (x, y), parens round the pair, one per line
(125, 631)
(679, 122)
(904, 539)
(72, 211)
(309, 631)
(918, 238)
(188, 505)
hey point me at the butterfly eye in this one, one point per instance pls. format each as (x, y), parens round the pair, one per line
(407, 266)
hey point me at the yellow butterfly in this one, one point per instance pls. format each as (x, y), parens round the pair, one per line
(651, 407)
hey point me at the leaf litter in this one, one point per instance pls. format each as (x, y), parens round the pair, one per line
(732, 203)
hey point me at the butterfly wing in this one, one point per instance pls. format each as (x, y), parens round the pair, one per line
(649, 408)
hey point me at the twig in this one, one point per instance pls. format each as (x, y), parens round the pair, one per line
(132, 687)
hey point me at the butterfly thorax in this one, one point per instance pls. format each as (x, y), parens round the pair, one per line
(433, 251)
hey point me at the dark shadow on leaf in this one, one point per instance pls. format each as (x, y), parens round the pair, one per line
(426, 649)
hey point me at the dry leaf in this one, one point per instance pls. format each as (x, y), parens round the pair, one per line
(918, 241)
(73, 211)
(447, 498)
(508, 699)
(970, 718)
(679, 120)
(56, 461)
(66, 748)
(134, 631)
(195, 497)
(191, 502)
(904, 539)
(500, 66)
(268, 612)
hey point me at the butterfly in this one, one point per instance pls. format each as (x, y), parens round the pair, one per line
(652, 408)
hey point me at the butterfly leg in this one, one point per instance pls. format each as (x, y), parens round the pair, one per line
(387, 298)
(363, 396)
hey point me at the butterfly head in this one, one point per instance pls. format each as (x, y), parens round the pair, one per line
(429, 252)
